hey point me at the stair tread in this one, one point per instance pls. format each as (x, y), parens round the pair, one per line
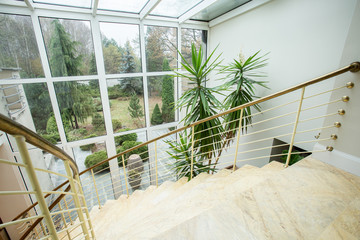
(346, 224)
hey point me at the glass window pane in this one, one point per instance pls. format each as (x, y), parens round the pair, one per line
(121, 47)
(217, 9)
(165, 163)
(87, 156)
(137, 169)
(81, 113)
(161, 43)
(29, 104)
(126, 96)
(189, 36)
(70, 3)
(161, 99)
(69, 47)
(19, 53)
(133, 6)
(173, 8)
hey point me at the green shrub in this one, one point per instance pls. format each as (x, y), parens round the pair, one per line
(156, 116)
(51, 126)
(95, 158)
(294, 157)
(81, 131)
(142, 151)
(114, 92)
(98, 104)
(116, 124)
(54, 138)
(128, 137)
(97, 121)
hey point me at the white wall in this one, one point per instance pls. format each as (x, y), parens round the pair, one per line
(347, 152)
(305, 39)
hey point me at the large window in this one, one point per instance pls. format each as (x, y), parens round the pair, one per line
(160, 45)
(80, 108)
(161, 99)
(121, 51)
(57, 82)
(126, 97)
(69, 47)
(19, 54)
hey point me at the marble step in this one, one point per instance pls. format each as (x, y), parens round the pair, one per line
(346, 225)
(185, 205)
(217, 223)
(310, 200)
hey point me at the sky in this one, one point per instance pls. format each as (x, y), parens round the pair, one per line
(120, 32)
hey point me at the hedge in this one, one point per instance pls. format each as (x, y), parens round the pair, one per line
(95, 158)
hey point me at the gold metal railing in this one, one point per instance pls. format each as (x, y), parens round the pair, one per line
(39, 217)
(106, 189)
(300, 120)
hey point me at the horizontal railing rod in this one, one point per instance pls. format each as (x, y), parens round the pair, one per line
(13, 128)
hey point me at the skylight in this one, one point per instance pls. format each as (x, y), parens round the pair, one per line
(180, 10)
(174, 8)
(68, 3)
(132, 6)
(218, 8)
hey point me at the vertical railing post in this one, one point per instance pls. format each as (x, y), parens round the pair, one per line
(295, 127)
(43, 229)
(126, 183)
(67, 208)
(156, 168)
(238, 138)
(192, 153)
(64, 220)
(76, 199)
(96, 190)
(25, 156)
(86, 209)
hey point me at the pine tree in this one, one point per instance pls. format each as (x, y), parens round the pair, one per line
(75, 102)
(156, 117)
(167, 95)
(93, 69)
(63, 60)
(74, 98)
(128, 64)
(135, 107)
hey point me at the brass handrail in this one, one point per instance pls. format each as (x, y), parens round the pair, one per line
(353, 67)
(13, 128)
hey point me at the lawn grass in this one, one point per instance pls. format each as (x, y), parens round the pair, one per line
(119, 110)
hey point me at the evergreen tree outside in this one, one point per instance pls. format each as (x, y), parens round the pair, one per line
(128, 64)
(93, 69)
(63, 60)
(167, 95)
(38, 99)
(156, 117)
(75, 102)
(74, 98)
(135, 108)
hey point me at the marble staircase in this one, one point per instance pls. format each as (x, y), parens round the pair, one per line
(309, 200)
